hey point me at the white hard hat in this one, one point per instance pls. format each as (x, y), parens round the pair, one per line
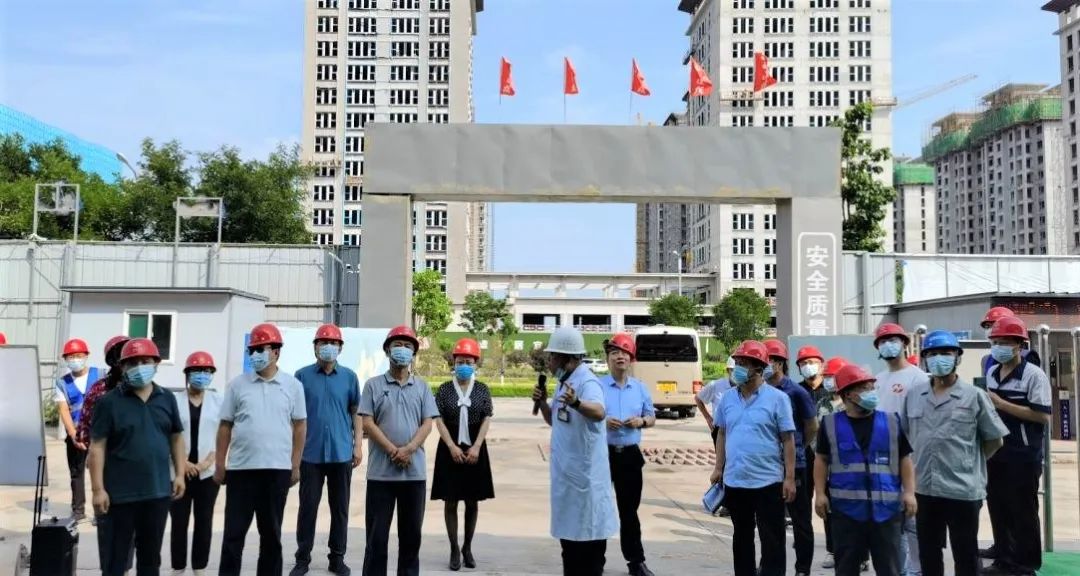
(566, 340)
(731, 363)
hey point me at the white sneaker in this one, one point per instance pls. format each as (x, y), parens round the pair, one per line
(829, 562)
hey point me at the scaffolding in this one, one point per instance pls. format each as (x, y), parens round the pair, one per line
(1011, 105)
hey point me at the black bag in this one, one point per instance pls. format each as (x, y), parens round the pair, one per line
(54, 542)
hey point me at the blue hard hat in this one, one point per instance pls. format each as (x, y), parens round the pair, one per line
(940, 339)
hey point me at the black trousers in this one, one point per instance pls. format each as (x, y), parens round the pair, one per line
(76, 461)
(337, 478)
(961, 519)
(854, 540)
(146, 519)
(802, 528)
(1012, 498)
(626, 466)
(583, 558)
(199, 498)
(762, 508)
(382, 498)
(258, 493)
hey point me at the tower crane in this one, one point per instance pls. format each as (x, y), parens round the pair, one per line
(920, 96)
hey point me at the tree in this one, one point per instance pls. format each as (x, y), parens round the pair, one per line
(675, 310)
(484, 314)
(865, 197)
(432, 310)
(742, 314)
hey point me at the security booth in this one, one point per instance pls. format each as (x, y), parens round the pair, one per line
(178, 320)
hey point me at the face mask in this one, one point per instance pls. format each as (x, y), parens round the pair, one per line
(329, 352)
(260, 360)
(1002, 353)
(942, 365)
(810, 370)
(890, 349)
(830, 384)
(200, 380)
(868, 400)
(141, 375)
(401, 356)
(740, 375)
(769, 372)
(76, 364)
(464, 372)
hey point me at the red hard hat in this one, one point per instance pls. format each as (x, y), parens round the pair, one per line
(776, 348)
(889, 329)
(401, 333)
(1009, 327)
(997, 313)
(114, 341)
(75, 346)
(328, 332)
(3, 339)
(622, 341)
(200, 359)
(263, 334)
(834, 365)
(140, 348)
(752, 350)
(466, 347)
(808, 352)
(851, 375)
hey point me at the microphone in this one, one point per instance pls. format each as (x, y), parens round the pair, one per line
(541, 384)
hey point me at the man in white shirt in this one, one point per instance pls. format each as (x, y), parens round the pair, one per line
(708, 397)
(70, 389)
(892, 386)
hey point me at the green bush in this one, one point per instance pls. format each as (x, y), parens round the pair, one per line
(49, 412)
(713, 370)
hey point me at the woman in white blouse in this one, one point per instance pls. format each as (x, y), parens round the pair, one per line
(200, 412)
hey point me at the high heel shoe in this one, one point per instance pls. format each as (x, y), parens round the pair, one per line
(470, 562)
(455, 560)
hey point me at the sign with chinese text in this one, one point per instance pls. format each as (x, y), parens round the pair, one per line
(817, 294)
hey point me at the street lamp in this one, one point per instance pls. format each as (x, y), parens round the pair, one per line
(678, 258)
(123, 160)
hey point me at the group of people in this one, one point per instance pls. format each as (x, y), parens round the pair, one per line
(896, 464)
(153, 454)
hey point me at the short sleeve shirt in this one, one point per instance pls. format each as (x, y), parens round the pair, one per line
(713, 390)
(138, 443)
(1027, 386)
(622, 403)
(802, 409)
(331, 401)
(947, 431)
(752, 436)
(892, 387)
(398, 410)
(262, 412)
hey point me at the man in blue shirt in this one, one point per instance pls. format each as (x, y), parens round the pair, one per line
(332, 448)
(629, 409)
(755, 459)
(582, 513)
(804, 414)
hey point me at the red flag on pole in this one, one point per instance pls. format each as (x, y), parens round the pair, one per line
(506, 81)
(762, 78)
(637, 81)
(700, 84)
(569, 78)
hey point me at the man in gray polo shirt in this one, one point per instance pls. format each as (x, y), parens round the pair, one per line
(953, 429)
(262, 431)
(397, 409)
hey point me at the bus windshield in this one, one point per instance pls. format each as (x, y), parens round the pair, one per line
(666, 348)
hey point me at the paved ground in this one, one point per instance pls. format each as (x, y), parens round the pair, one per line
(512, 535)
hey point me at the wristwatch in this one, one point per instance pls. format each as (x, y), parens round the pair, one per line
(575, 403)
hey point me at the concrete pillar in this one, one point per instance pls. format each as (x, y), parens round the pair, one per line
(386, 266)
(808, 245)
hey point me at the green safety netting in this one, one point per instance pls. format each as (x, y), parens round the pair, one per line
(913, 174)
(992, 122)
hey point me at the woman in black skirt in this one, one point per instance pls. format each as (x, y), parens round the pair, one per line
(462, 468)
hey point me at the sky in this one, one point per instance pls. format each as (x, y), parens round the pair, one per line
(229, 72)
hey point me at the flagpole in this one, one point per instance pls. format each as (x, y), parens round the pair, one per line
(631, 118)
(564, 107)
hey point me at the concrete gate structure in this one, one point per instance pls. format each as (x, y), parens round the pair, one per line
(797, 168)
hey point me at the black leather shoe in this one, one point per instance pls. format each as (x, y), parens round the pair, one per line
(455, 560)
(989, 553)
(467, 558)
(640, 569)
(339, 568)
(299, 570)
